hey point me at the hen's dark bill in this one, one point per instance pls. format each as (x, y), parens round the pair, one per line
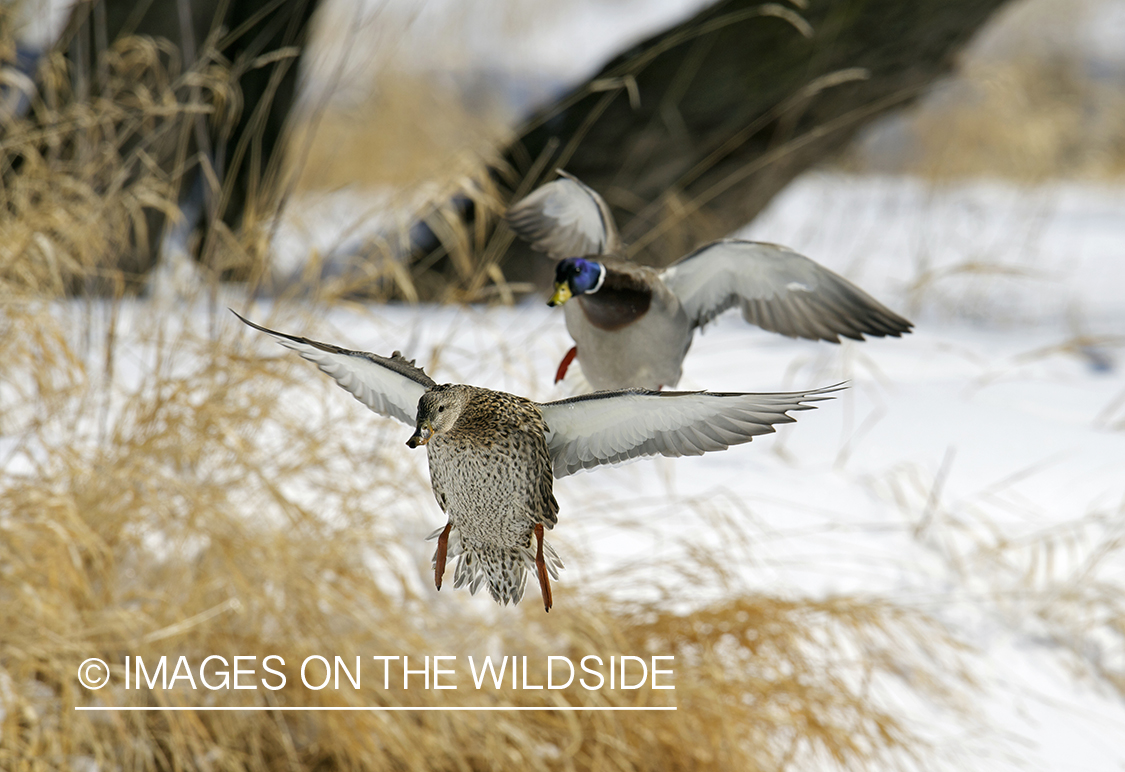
(421, 435)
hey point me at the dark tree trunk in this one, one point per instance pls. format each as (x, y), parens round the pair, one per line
(729, 106)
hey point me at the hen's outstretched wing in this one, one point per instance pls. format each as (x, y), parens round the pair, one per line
(610, 427)
(390, 386)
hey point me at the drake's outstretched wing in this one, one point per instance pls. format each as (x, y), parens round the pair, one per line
(778, 290)
(610, 427)
(390, 386)
(565, 218)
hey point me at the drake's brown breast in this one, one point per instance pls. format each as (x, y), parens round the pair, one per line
(614, 307)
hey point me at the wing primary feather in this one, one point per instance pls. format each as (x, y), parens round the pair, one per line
(390, 385)
(779, 290)
(815, 327)
(614, 427)
(564, 218)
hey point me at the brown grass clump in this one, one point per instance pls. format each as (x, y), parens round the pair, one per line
(410, 129)
(82, 177)
(167, 493)
(90, 180)
(1026, 119)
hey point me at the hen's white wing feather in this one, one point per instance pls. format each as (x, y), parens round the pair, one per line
(390, 386)
(778, 290)
(610, 427)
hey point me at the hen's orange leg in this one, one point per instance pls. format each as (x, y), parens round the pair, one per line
(541, 566)
(439, 560)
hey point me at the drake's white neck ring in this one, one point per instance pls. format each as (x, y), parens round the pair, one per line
(601, 281)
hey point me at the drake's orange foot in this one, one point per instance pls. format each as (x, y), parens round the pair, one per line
(565, 363)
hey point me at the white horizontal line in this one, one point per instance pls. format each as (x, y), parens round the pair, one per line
(121, 708)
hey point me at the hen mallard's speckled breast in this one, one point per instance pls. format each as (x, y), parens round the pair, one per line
(632, 325)
(491, 474)
(494, 456)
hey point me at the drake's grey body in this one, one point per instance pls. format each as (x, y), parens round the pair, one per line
(494, 456)
(614, 327)
(645, 340)
(491, 474)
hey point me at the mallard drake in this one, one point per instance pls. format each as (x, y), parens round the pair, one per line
(493, 456)
(632, 325)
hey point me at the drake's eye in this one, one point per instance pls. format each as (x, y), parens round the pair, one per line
(441, 409)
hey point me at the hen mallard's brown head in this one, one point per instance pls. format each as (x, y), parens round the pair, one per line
(438, 411)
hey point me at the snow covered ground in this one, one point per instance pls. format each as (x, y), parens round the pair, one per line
(975, 469)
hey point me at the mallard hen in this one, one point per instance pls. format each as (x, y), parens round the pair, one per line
(494, 456)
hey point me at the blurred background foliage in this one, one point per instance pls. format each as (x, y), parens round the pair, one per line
(426, 119)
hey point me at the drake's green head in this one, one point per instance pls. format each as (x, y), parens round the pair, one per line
(576, 276)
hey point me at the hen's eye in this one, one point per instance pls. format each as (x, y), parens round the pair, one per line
(441, 409)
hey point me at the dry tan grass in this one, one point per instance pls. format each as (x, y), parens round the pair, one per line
(1027, 120)
(202, 502)
(80, 175)
(82, 178)
(409, 131)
